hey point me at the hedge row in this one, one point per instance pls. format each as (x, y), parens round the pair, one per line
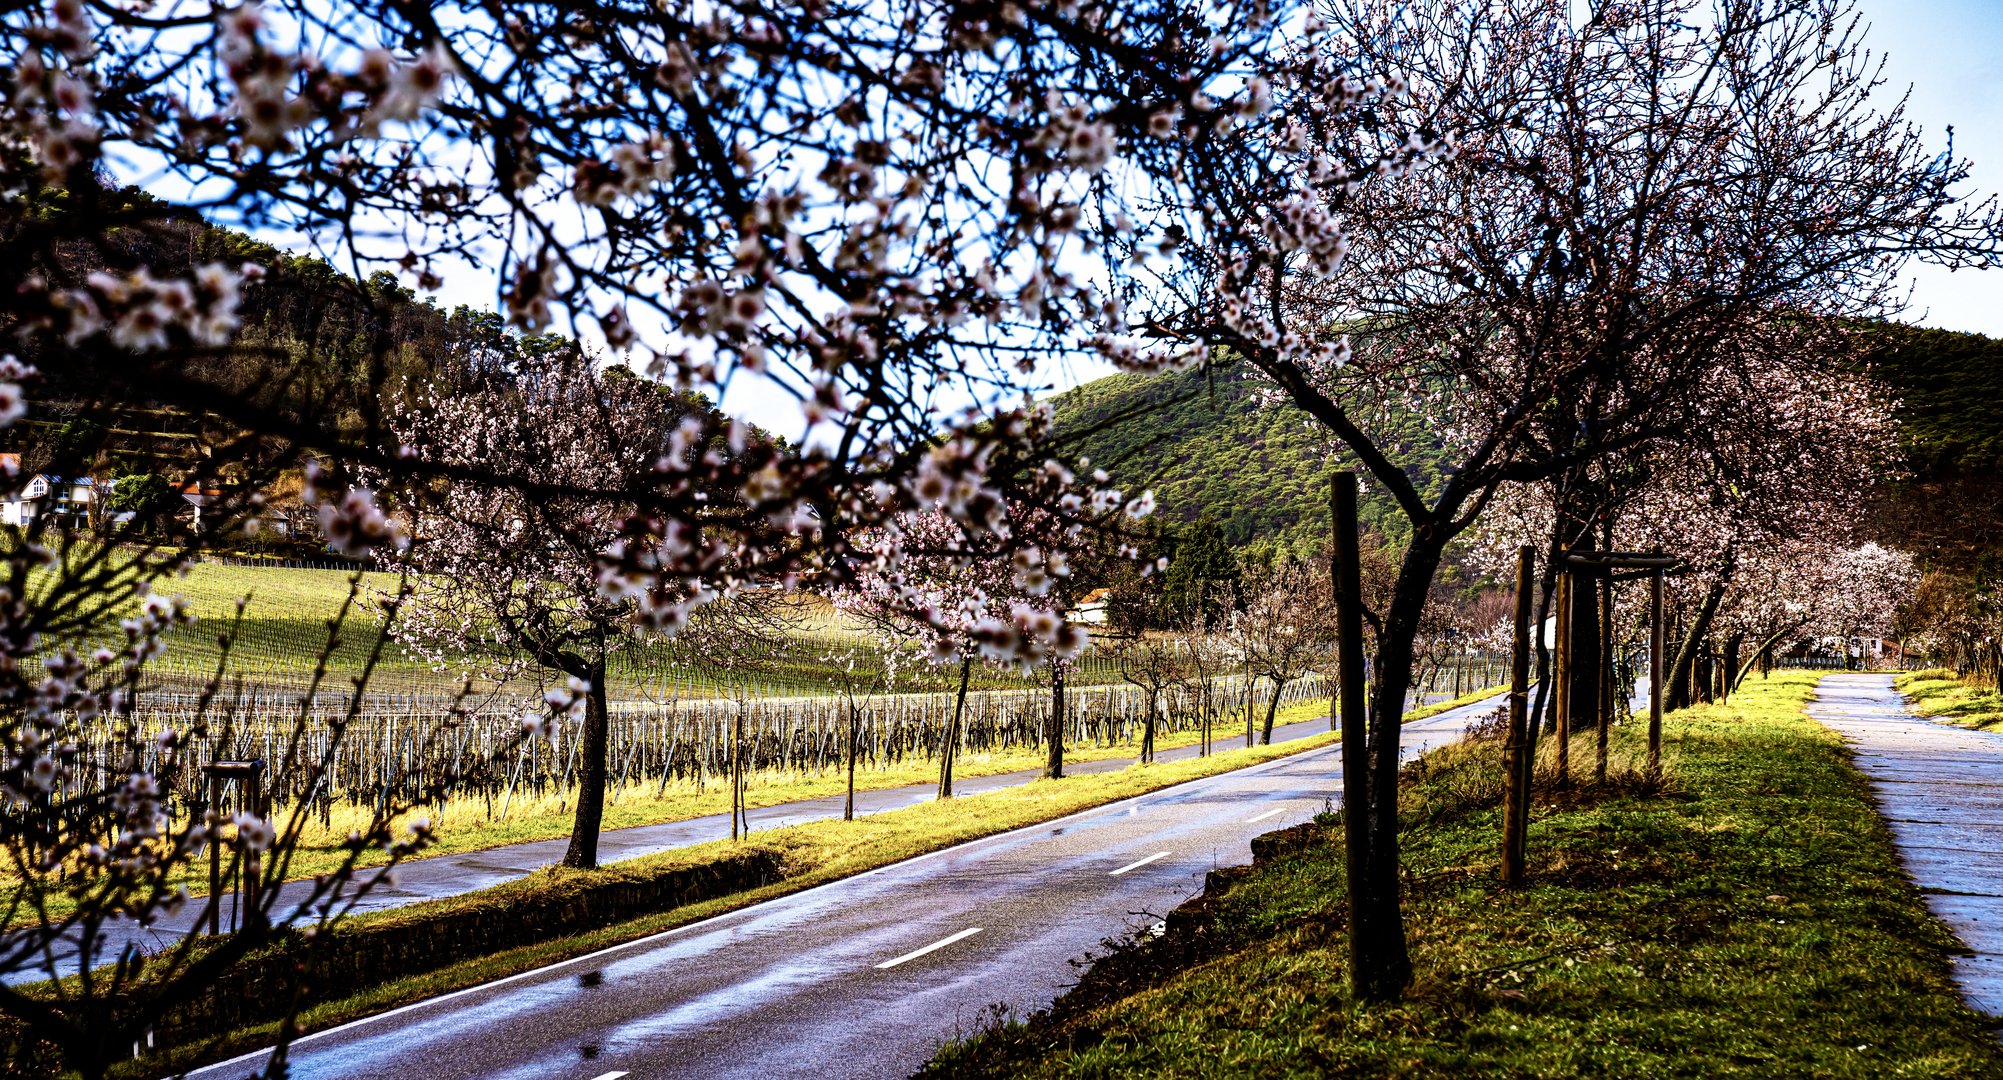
(358, 955)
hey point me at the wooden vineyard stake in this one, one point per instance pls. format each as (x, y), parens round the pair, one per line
(1516, 762)
(1561, 676)
(1655, 645)
(1347, 578)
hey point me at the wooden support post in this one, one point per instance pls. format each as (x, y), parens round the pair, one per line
(253, 861)
(249, 776)
(1561, 677)
(1655, 672)
(1516, 763)
(215, 857)
(736, 763)
(1347, 577)
(1605, 587)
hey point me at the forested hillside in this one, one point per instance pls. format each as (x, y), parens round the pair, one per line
(1206, 444)
(1947, 505)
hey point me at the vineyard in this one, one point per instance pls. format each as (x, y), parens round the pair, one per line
(382, 755)
(777, 718)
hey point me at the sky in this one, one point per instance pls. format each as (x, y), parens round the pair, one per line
(1950, 54)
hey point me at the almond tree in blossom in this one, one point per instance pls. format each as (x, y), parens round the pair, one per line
(1157, 663)
(1758, 501)
(1576, 217)
(516, 579)
(1867, 583)
(1285, 630)
(944, 598)
(886, 213)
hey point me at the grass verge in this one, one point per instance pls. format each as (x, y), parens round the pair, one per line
(1749, 921)
(810, 854)
(1943, 695)
(1469, 698)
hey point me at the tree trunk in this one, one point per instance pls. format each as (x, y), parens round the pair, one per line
(583, 851)
(952, 744)
(1730, 681)
(1604, 589)
(736, 769)
(1272, 707)
(1693, 642)
(1543, 716)
(854, 738)
(1053, 766)
(1584, 663)
(1148, 733)
(1516, 765)
(1383, 965)
(1250, 684)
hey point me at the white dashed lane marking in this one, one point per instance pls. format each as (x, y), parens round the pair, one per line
(939, 944)
(1141, 863)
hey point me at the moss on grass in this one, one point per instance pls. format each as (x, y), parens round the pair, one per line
(1944, 695)
(1750, 921)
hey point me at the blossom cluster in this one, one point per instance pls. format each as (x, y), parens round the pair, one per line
(137, 312)
(349, 517)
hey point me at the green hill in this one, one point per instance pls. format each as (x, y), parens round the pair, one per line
(1207, 444)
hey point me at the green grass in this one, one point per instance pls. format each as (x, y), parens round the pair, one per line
(284, 630)
(1751, 921)
(1944, 695)
(812, 853)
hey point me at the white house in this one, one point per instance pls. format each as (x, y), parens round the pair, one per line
(69, 501)
(1091, 609)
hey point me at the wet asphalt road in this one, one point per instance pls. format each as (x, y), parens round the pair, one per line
(862, 977)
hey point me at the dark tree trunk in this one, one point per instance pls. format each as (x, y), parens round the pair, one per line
(854, 748)
(1604, 587)
(1679, 689)
(1516, 765)
(1730, 681)
(583, 851)
(1383, 963)
(1543, 716)
(1585, 661)
(1763, 656)
(1272, 708)
(951, 746)
(1148, 732)
(1053, 766)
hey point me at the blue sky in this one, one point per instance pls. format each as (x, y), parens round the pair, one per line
(1950, 52)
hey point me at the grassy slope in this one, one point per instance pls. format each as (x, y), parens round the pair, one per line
(284, 631)
(1943, 695)
(813, 854)
(1752, 923)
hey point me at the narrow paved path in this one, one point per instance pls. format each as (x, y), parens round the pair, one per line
(1941, 789)
(452, 875)
(862, 977)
